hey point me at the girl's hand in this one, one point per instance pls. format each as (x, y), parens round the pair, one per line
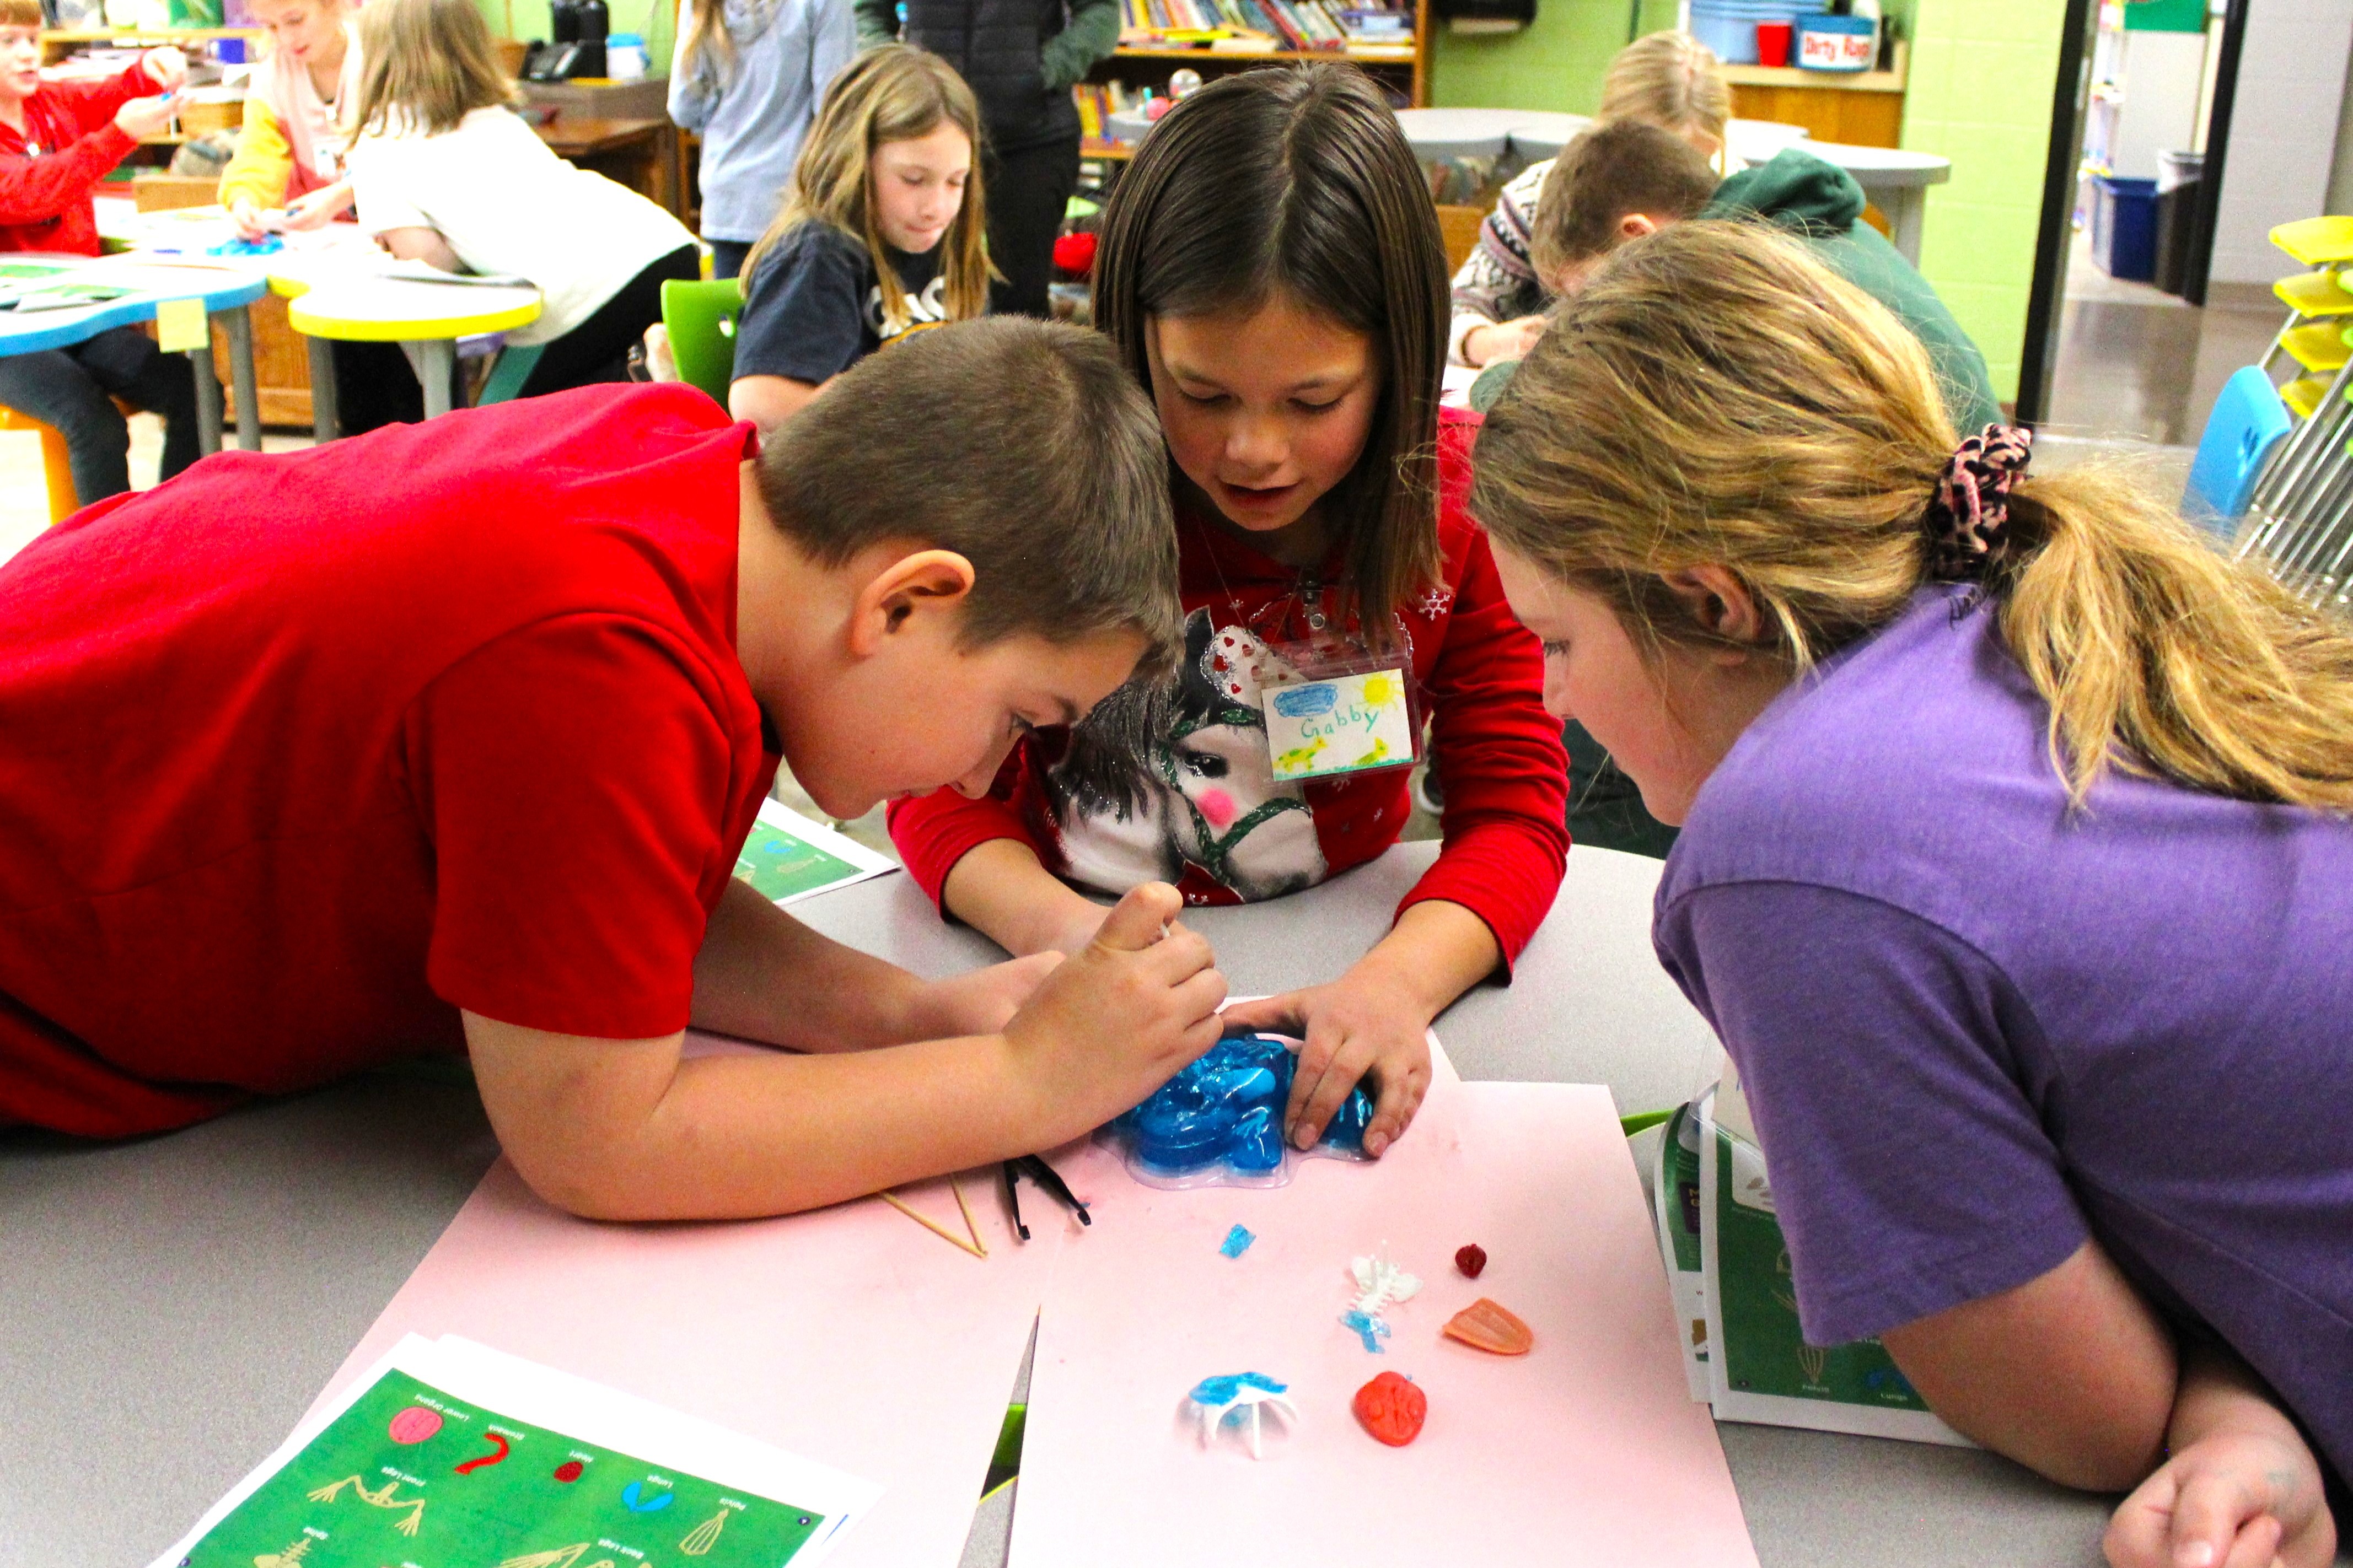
(165, 67)
(318, 209)
(245, 216)
(1502, 341)
(980, 1003)
(2233, 1498)
(1361, 1024)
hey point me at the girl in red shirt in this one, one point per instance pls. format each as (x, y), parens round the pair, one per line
(1272, 274)
(58, 139)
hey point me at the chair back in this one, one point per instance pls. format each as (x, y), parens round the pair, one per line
(700, 321)
(2247, 423)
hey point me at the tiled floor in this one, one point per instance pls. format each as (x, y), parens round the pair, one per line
(2138, 364)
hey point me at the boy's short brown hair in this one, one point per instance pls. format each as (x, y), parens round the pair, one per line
(1023, 446)
(21, 14)
(1612, 170)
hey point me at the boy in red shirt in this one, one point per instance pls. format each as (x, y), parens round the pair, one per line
(448, 736)
(58, 139)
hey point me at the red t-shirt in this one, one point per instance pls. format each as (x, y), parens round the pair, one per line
(69, 143)
(1215, 824)
(304, 753)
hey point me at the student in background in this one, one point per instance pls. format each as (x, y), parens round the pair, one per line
(746, 78)
(1669, 80)
(460, 741)
(1620, 182)
(58, 139)
(1272, 272)
(2016, 875)
(880, 234)
(448, 174)
(1022, 57)
(290, 163)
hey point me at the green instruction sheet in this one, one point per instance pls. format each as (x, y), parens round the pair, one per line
(787, 856)
(409, 1477)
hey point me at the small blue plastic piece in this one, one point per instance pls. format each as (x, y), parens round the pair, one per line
(268, 245)
(1237, 1242)
(1366, 1327)
(1223, 1113)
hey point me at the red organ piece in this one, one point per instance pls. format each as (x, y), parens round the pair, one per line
(1472, 1260)
(1392, 1409)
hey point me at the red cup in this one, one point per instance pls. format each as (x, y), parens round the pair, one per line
(1773, 43)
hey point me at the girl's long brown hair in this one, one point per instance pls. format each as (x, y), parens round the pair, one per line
(424, 65)
(1298, 182)
(1715, 396)
(708, 41)
(892, 93)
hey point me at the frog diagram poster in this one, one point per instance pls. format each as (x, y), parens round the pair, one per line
(417, 1469)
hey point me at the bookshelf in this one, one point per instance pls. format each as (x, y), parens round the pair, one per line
(1402, 69)
(59, 42)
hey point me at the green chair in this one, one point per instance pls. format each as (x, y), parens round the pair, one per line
(514, 368)
(700, 321)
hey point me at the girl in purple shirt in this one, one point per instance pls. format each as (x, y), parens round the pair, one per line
(2016, 875)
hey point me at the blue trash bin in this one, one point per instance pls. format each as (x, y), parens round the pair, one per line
(2123, 228)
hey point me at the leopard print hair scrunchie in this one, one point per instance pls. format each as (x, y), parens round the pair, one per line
(1966, 519)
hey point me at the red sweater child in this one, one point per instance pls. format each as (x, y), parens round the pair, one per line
(1200, 807)
(69, 143)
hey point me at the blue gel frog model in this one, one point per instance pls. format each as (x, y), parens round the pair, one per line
(1219, 1121)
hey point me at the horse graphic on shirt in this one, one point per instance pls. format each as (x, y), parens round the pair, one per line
(1175, 785)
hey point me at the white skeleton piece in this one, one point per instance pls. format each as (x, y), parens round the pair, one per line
(1223, 1401)
(1380, 1283)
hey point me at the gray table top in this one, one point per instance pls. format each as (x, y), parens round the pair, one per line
(169, 1308)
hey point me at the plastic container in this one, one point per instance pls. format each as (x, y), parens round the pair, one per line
(1219, 1123)
(2123, 228)
(625, 57)
(1838, 44)
(1734, 38)
(1773, 43)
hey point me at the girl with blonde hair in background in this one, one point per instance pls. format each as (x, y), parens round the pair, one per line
(2015, 875)
(746, 78)
(446, 174)
(882, 233)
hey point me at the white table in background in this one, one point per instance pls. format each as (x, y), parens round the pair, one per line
(1438, 134)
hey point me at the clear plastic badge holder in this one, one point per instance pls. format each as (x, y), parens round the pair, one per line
(1338, 706)
(1219, 1123)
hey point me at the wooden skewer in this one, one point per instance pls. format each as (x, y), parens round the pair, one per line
(980, 1246)
(928, 1224)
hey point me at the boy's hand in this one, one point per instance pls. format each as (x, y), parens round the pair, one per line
(1359, 1024)
(2231, 1499)
(981, 1003)
(245, 216)
(165, 67)
(1503, 340)
(1118, 1020)
(144, 117)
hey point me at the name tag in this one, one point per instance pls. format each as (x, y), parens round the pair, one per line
(1345, 724)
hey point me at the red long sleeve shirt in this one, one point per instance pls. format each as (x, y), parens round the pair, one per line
(1207, 814)
(69, 143)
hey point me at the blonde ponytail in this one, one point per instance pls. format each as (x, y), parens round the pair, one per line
(1715, 396)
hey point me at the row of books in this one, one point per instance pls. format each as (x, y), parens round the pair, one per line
(1268, 24)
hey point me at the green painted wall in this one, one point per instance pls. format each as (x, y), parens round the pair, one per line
(529, 20)
(1980, 91)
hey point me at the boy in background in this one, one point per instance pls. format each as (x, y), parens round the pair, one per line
(1625, 180)
(58, 139)
(448, 737)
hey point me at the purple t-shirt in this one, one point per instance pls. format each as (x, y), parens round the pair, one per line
(1974, 1029)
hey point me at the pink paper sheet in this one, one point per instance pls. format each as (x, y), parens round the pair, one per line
(850, 1336)
(1588, 1451)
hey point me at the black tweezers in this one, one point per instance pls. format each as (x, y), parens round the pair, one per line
(1045, 1175)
